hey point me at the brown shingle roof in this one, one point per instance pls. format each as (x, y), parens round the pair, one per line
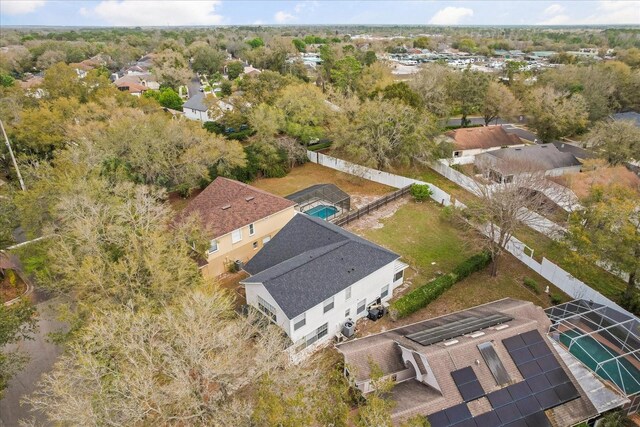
(226, 205)
(482, 138)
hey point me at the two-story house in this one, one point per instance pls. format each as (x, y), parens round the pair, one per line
(313, 276)
(239, 220)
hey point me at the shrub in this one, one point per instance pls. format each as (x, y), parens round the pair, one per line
(183, 190)
(531, 284)
(556, 299)
(422, 296)
(420, 192)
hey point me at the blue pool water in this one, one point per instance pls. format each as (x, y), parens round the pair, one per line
(322, 211)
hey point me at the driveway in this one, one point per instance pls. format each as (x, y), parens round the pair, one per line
(193, 85)
(42, 354)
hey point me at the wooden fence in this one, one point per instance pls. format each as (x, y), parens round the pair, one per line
(376, 204)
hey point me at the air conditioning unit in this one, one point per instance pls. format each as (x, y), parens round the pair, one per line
(349, 328)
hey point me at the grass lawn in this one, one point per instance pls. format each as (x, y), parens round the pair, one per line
(310, 174)
(601, 280)
(419, 234)
(426, 174)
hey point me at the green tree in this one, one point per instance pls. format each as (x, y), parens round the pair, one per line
(422, 43)
(554, 114)
(226, 88)
(403, 93)
(300, 45)
(369, 58)
(616, 141)
(466, 92)
(345, 73)
(169, 98)
(606, 229)
(383, 133)
(61, 80)
(17, 322)
(305, 111)
(208, 60)
(431, 85)
(6, 80)
(499, 102)
(256, 43)
(234, 69)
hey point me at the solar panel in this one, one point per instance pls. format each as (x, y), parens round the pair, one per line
(508, 413)
(521, 355)
(464, 375)
(471, 391)
(458, 413)
(539, 349)
(499, 398)
(487, 419)
(532, 337)
(513, 343)
(566, 392)
(530, 369)
(519, 390)
(539, 419)
(467, 423)
(528, 405)
(457, 328)
(547, 399)
(557, 377)
(439, 419)
(548, 363)
(539, 383)
(494, 363)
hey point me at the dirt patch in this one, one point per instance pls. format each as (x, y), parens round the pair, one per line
(11, 287)
(374, 219)
(231, 282)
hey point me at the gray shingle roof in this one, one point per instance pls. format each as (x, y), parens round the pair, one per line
(630, 115)
(310, 260)
(196, 102)
(545, 156)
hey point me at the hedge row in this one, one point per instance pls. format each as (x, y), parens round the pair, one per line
(421, 297)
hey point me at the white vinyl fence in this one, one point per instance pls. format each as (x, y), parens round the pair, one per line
(547, 269)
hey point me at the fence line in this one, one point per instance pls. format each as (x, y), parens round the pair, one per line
(547, 269)
(365, 210)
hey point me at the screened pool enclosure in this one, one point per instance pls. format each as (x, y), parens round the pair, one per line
(325, 201)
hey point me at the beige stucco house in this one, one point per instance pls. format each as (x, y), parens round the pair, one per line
(239, 220)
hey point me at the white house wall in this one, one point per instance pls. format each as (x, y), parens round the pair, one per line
(369, 287)
(192, 114)
(258, 290)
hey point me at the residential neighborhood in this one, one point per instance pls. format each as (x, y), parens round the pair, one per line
(372, 214)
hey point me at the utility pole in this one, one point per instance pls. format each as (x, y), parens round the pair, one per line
(13, 158)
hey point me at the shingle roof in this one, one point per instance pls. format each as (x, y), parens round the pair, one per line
(630, 115)
(482, 138)
(196, 102)
(226, 205)
(310, 260)
(544, 156)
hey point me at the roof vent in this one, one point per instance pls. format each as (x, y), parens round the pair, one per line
(450, 342)
(476, 334)
(249, 198)
(501, 327)
(543, 146)
(225, 207)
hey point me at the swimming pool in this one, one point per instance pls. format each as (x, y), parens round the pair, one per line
(592, 352)
(322, 211)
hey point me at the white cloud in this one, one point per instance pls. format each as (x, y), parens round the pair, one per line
(258, 22)
(282, 17)
(451, 16)
(615, 12)
(152, 13)
(309, 6)
(20, 7)
(554, 9)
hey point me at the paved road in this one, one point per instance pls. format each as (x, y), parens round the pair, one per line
(43, 355)
(193, 85)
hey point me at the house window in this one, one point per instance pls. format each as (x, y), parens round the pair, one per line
(255, 245)
(266, 239)
(267, 309)
(236, 235)
(347, 294)
(252, 230)
(457, 153)
(328, 304)
(384, 292)
(214, 246)
(398, 276)
(361, 306)
(317, 334)
(347, 312)
(299, 321)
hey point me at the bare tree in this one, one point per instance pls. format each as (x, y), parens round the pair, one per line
(517, 199)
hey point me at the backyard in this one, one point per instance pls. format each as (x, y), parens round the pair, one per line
(432, 245)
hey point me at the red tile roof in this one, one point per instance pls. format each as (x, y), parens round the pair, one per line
(482, 138)
(226, 205)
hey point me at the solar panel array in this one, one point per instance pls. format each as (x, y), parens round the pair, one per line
(545, 386)
(468, 384)
(457, 328)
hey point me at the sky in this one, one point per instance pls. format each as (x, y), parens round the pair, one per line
(268, 12)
